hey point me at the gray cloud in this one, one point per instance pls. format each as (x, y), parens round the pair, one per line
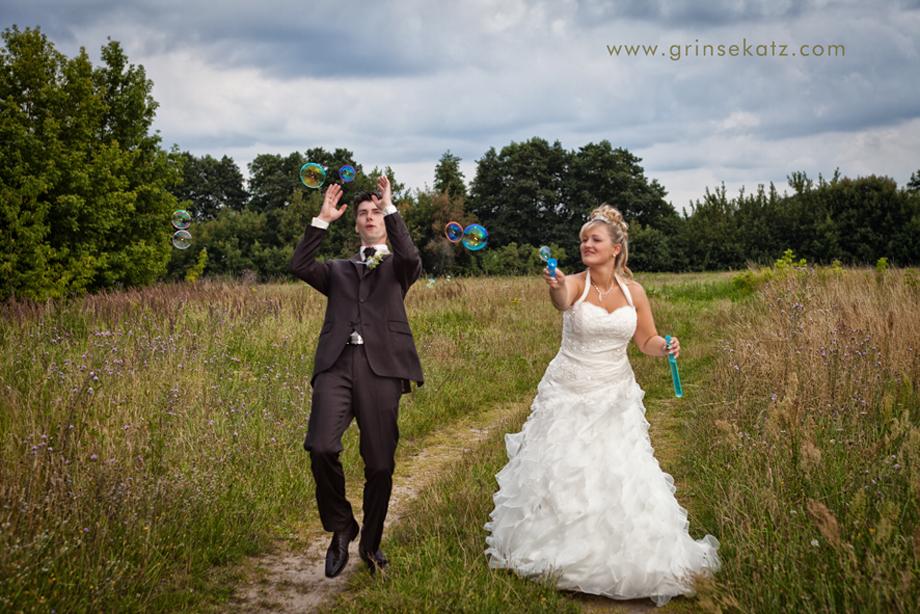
(401, 82)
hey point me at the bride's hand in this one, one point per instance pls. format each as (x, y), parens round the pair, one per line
(556, 281)
(674, 348)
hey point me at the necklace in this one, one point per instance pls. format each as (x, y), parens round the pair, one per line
(603, 294)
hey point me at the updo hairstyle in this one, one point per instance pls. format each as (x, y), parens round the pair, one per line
(612, 220)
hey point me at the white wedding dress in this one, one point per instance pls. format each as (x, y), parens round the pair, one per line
(582, 501)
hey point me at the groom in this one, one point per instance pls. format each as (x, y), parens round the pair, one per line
(364, 361)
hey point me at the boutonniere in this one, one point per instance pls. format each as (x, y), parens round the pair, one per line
(374, 260)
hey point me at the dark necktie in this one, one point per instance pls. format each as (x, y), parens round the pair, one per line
(369, 253)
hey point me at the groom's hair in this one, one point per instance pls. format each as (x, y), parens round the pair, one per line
(363, 197)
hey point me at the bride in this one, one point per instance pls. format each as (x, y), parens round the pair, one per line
(582, 501)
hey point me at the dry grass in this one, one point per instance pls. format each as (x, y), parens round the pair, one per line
(151, 434)
(808, 453)
(148, 437)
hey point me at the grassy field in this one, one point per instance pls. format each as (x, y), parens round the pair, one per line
(805, 446)
(151, 440)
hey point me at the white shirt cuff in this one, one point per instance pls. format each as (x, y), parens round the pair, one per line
(389, 209)
(318, 223)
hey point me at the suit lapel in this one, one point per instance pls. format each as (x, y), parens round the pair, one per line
(360, 267)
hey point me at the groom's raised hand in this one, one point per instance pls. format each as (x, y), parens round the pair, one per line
(383, 184)
(329, 212)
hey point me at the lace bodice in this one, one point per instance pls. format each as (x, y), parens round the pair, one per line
(589, 328)
(594, 341)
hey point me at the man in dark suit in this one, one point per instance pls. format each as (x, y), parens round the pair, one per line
(364, 362)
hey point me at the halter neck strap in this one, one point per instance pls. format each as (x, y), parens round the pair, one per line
(620, 281)
(625, 290)
(584, 294)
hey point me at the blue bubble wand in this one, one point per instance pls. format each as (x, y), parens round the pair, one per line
(550, 262)
(678, 391)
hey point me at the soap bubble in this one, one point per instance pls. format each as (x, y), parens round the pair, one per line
(448, 278)
(182, 239)
(181, 219)
(454, 231)
(475, 237)
(430, 282)
(544, 254)
(312, 175)
(347, 173)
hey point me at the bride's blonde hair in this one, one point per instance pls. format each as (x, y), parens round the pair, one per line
(609, 217)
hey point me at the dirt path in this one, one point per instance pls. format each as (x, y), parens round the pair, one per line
(294, 582)
(288, 582)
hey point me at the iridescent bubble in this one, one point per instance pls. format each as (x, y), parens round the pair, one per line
(347, 173)
(475, 237)
(312, 175)
(454, 231)
(430, 282)
(181, 219)
(448, 278)
(544, 254)
(182, 239)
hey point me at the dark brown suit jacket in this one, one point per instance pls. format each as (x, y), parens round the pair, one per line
(369, 301)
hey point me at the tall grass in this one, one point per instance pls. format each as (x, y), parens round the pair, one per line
(148, 437)
(807, 450)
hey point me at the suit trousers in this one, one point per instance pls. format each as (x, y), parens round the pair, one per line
(349, 389)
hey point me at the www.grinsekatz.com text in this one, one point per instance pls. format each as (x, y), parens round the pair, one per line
(743, 49)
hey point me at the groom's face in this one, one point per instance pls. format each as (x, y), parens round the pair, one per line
(369, 223)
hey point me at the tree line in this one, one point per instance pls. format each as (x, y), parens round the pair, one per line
(535, 193)
(87, 193)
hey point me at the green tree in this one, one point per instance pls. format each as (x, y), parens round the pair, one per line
(875, 219)
(649, 250)
(448, 178)
(235, 242)
(274, 183)
(914, 184)
(273, 179)
(83, 196)
(534, 193)
(709, 233)
(856, 221)
(427, 218)
(602, 174)
(208, 185)
(519, 194)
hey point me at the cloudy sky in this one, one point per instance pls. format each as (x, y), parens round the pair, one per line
(740, 92)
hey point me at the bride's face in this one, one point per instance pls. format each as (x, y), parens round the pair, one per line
(597, 247)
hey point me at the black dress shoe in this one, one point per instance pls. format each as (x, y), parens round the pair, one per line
(374, 561)
(337, 554)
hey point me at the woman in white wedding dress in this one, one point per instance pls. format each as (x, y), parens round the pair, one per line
(582, 501)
